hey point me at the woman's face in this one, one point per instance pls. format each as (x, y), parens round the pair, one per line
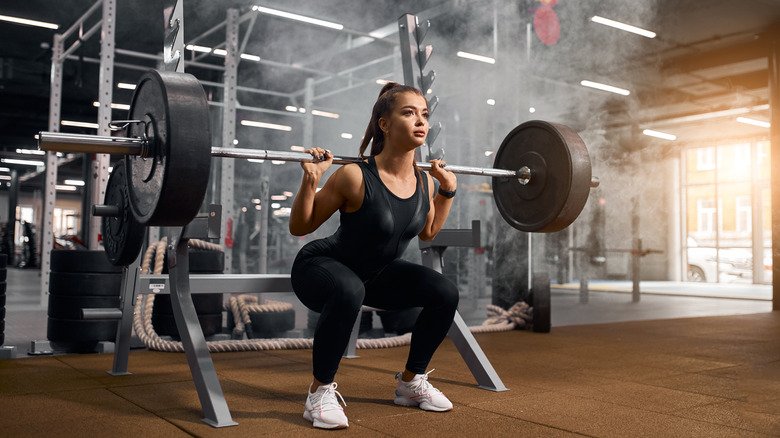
(407, 123)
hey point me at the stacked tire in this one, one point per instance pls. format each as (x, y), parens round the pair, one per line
(207, 306)
(3, 275)
(81, 279)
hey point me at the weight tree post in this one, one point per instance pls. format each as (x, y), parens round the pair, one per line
(228, 170)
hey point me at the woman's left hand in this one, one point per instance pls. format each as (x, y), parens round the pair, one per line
(447, 180)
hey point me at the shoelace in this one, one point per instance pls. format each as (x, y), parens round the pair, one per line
(328, 398)
(421, 385)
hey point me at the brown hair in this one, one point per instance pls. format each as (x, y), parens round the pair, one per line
(383, 105)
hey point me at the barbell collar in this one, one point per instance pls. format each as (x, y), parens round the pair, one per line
(105, 210)
(92, 144)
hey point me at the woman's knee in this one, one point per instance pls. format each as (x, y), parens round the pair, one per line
(349, 293)
(446, 294)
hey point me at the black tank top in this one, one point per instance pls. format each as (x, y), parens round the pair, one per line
(379, 231)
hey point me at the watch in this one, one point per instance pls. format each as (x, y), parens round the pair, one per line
(447, 194)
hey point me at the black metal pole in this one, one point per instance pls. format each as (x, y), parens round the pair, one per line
(774, 108)
(13, 201)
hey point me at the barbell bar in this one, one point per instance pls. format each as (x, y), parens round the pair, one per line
(134, 146)
(541, 171)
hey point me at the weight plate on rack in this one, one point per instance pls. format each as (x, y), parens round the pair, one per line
(123, 236)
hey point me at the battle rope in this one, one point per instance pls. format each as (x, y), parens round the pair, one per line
(518, 316)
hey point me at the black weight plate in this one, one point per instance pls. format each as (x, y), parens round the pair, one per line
(2, 325)
(540, 288)
(69, 307)
(3, 274)
(63, 260)
(2, 313)
(204, 304)
(3, 260)
(2, 338)
(167, 189)
(166, 324)
(203, 262)
(560, 181)
(2, 299)
(77, 330)
(2, 287)
(123, 236)
(84, 284)
(271, 324)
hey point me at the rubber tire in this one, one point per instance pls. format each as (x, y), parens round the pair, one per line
(399, 321)
(203, 262)
(271, 324)
(64, 260)
(85, 284)
(77, 330)
(166, 325)
(3, 274)
(204, 304)
(540, 288)
(69, 307)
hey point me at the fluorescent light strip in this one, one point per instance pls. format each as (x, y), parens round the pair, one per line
(278, 198)
(491, 102)
(346, 135)
(382, 81)
(27, 22)
(604, 87)
(297, 148)
(220, 52)
(79, 124)
(74, 182)
(30, 152)
(119, 106)
(295, 109)
(622, 26)
(288, 194)
(324, 114)
(126, 86)
(249, 57)
(196, 48)
(659, 134)
(5, 178)
(266, 125)
(65, 188)
(754, 122)
(474, 57)
(255, 160)
(297, 17)
(22, 162)
(4, 169)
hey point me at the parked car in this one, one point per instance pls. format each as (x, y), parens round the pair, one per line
(704, 265)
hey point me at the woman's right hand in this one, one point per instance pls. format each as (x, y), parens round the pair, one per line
(323, 159)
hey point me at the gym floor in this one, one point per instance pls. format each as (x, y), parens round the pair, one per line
(699, 362)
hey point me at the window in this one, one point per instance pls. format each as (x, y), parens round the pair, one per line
(705, 213)
(744, 215)
(705, 158)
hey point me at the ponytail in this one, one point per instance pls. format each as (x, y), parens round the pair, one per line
(382, 107)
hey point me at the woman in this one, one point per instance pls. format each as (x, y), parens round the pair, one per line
(383, 202)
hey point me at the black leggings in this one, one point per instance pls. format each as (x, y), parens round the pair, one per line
(327, 286)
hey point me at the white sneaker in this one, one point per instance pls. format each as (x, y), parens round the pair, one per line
(419, 392)
(323, 408)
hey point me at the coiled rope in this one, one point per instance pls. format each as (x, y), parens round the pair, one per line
(518, 316)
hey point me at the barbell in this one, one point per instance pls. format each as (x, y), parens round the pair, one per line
(541, 172)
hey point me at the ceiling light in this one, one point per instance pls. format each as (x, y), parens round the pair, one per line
(604, 87)
(194, 48)
(297, 17)
(235, 141)
(255, 200)
(79, 124)
(622, 26)
(243, 209)
(532, 110)
(488, 153)
(266, 125)
(65, 188)
(297, 148)
(474, 57)
(258, 207)
(278, 198)
(23, 162)
(324, 114)
(292, 109)
(110, 169)
(346, 135)
(30, 152)
(255, 160)
(18, 20)
(754, 122)
(491, 102)
(119, 106)
(5, 178)
(249, 57)
(4, 169)
(659, 134)
(288, 194)
(276, 205)
(125, 86)
(74, 182)
(277, 162)
(382, 81)
(220, 52)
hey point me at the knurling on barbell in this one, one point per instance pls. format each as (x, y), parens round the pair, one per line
(541, 173)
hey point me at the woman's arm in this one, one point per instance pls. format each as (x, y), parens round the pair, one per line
(440, 205)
